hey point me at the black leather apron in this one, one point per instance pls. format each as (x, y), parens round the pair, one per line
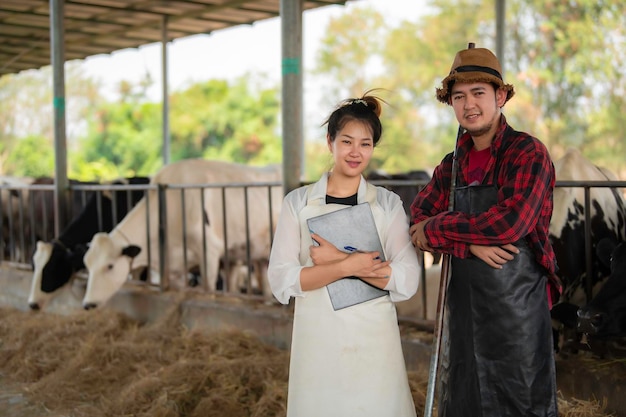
(500, 361)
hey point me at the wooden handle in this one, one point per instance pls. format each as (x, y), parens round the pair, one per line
(441, 299)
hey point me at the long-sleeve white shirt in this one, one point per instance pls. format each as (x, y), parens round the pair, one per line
(290, 248)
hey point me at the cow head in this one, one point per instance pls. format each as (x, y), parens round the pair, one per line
(42, 255)
(109, 263)
(605, 315)
(53, 266)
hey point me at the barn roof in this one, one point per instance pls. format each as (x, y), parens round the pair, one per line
(103, 26)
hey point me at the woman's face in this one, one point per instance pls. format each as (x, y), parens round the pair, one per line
(352, 148)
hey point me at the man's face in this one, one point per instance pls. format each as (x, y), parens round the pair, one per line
(477, 106)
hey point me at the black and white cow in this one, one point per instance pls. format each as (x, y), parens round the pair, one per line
(567, 230)
(42, 209)
(56, 261)
(199, 231)
(407, 192)
(605, 315)
(416, 180)
(13, 197)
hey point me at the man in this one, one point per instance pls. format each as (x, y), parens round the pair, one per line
(500, 349)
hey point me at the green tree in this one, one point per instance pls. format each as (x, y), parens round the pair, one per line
(349, 51)
(31, 156)
(218, 120)
(417, 55)
(212, 119)
(123, 139)
(26, 113)
(411, 58)
(570, 56)
(569, 85)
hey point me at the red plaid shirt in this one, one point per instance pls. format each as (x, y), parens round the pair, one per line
(525, 184)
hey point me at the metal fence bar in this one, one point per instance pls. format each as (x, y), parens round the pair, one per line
(164, 266)
(205, 261)
(183, 206)
(227, 263)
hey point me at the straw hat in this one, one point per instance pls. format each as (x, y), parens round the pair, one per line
(474, 65)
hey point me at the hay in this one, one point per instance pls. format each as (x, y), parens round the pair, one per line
(579, 408)
(101, 363)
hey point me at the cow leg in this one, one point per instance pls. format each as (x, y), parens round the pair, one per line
(237, 276)
(247, 281)
(260, 267)
(213, 254)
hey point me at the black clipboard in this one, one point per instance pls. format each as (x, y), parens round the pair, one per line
(349, 229)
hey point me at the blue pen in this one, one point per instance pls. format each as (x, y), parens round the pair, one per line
(353, 249)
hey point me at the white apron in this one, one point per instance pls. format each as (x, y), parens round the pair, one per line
(345, 363)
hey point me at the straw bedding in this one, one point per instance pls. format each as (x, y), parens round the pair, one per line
(102, 363)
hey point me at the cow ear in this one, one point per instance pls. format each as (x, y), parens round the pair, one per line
(604, 249)
(131, 251)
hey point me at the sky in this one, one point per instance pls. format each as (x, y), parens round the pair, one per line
(230, 53)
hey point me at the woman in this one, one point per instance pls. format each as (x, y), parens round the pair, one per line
(345, 362)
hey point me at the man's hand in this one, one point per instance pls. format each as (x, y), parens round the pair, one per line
(418, 237)
(494, 256)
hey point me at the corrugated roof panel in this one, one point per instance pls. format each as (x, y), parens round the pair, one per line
(104, 26)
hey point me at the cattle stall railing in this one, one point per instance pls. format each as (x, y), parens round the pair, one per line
(405, 188)
(588, 186)
(18, 211)
(19, 214)
(227, 262)
(27, 213)
(161, 211)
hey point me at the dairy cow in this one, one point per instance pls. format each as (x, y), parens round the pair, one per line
(605, 315)
(56, 261)
(31, 215)
(567, 230)
(42, 209)
(111, 256)
(407, 192)
(13, 199)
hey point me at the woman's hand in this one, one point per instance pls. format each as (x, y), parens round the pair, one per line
(358, 263)
(367, 265)
(326, 252)
(494, 256)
